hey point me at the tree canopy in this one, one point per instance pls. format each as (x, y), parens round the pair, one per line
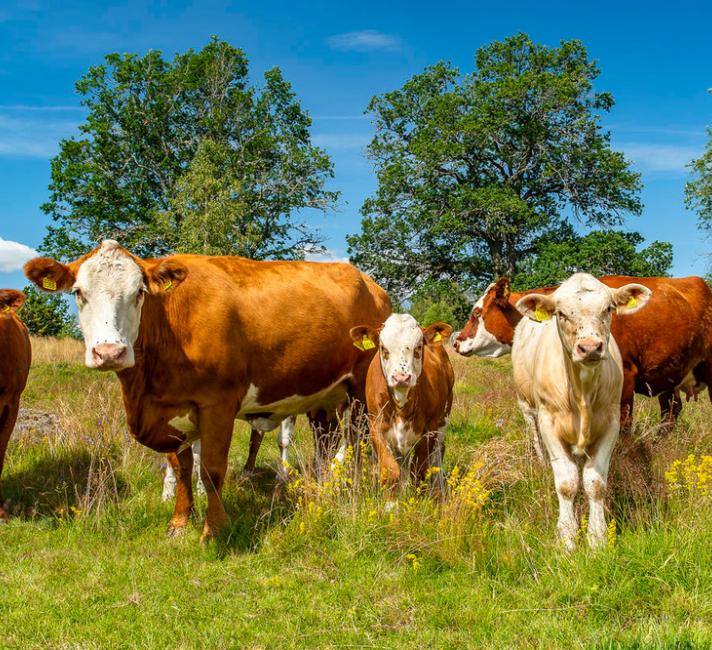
(47, 314)
(475, 172)
(187, 155)
(698, 191)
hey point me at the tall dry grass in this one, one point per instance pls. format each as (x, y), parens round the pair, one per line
(47, 349)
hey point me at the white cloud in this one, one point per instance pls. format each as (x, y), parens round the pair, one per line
(660, 157)
(327, 255)
(366, 40)
(13, 255)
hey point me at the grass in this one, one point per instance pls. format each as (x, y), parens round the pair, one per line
(85, 561)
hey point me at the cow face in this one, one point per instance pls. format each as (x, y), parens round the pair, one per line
(109, 285)
(582, 308)
(488, 324)
(401, 343)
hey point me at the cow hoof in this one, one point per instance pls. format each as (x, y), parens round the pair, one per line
(176, 529)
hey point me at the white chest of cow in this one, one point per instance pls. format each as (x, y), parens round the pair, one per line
(401, 436)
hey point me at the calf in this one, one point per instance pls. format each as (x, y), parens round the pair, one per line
(568, 374)
(408, 394)
(14, 368)
(657, 359)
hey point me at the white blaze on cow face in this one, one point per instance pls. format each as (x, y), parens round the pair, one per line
(582, 308)
(109, 290)
(483, 343)
(401, 353)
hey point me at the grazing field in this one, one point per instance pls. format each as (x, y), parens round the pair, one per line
(85, 561)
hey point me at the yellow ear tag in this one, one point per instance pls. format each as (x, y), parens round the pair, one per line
(438, 337)
(541, 315)
(6, 308)
(631, 303)
(364, 344)
(49, 284)
(168, 285)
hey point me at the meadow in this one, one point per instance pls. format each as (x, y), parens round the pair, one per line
(85, 561)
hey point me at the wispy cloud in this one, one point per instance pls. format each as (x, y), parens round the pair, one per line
(13, 255)
(366, 40)
(32, 137)
(660, 157)
(328, 255)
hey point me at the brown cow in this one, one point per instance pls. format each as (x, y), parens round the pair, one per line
(665, 347)
(200, 341)
(14, 368)
(408, 395)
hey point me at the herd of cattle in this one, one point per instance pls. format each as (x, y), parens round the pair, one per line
(198, 342)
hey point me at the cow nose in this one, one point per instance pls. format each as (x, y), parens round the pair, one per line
(109, 355)
(401, 378)
(587, 348)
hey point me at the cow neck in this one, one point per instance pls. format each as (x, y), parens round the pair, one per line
(513, 316)
(582, 380)
(406, 411)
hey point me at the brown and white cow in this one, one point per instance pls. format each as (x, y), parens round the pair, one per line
(408, 394)
(665, 348)
(568, 374)
(200, 341)
(14, 368)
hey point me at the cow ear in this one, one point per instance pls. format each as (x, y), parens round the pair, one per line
(502, 289)
(11, 300)
(536, 306)
(165, 275)
(629, 298)
(436, 333)
(49, 275)
(364, 337)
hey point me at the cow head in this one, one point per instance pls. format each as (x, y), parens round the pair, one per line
(109, 285)
(10, 301)
(401, 343)
(582, 308)
(490, 328)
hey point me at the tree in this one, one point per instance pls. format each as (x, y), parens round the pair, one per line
(603, 252)
(473, 172)
(187, 155)
(698, 191)
(440, 301)
(47, 314)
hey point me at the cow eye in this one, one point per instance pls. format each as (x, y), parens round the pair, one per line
(384, 353)
(563, 316)
(476, 312)
(77, 293)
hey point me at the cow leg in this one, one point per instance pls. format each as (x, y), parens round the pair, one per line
(255, 442)
(181, 467)
(197, 449)
(529, 415)
(346, 435)
(169, 481)
(284, 439)
(595, 480)
(670, 408)
(566, 480)
(216, 424)
(8, 416)
(388, 468)
(627, 399)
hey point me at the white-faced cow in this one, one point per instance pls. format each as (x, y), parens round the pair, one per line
(199, 341)
(568, 375)
(408, 394)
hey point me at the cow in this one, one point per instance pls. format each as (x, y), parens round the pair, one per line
(284, 438)
(568, 374)
(408, 395)
(198, 341)
(14, 368)
(660, 358)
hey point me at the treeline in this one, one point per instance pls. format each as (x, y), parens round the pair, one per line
(503, 170)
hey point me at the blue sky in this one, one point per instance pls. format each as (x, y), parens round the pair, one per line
(655, 59)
